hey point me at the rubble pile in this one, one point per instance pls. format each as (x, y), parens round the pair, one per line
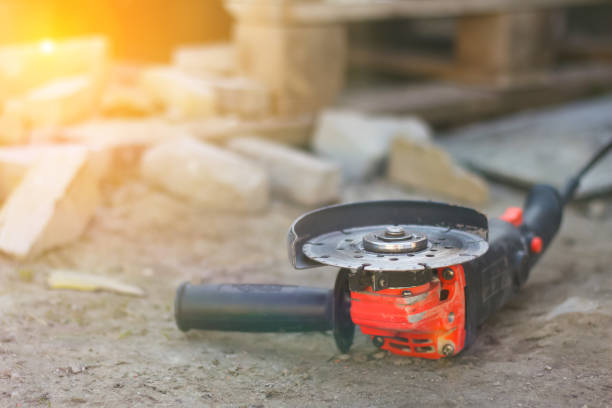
(222, 126)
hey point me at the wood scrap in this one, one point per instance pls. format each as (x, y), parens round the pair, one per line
(65, 279)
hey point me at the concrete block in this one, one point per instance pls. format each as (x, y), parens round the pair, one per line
(182, 95)
(214, 59)
(360, 143)
(303, 66)
(51, 206)
(61, 101)
(206, 175)
(294, 174)
(424, 166)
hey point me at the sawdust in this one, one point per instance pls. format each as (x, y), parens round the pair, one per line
(61, 348)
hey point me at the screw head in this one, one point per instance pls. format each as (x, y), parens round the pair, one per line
(378, 341)
(448, 274)
(406, 293)
(451, 317)
(448, 349)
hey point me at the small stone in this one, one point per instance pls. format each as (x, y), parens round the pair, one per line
(548, 368)
(344, 357)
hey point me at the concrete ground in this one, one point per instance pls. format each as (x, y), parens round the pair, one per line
(550, 347)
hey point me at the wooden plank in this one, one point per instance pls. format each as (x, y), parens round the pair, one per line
(588, 47)
(451, 104)
(402, 62)
(491, 45)
(490, 49)
(328, 11)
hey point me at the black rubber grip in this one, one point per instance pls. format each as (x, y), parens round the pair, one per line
(253, 308)
(543, 212)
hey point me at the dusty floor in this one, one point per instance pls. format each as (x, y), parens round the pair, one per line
(72, 349)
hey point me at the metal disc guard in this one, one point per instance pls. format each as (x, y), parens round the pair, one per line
(335, 236)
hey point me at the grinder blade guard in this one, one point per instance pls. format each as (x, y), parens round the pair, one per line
(403, 262)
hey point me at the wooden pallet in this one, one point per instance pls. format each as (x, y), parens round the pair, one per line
(447, 104)
(341, 11)
(510, 44)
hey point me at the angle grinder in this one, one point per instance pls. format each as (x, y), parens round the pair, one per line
(418, 277)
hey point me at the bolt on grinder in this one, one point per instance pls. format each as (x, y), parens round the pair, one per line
(418, 277)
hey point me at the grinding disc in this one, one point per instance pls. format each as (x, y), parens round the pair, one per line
(395, 247)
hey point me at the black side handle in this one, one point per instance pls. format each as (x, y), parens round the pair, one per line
(253, 308)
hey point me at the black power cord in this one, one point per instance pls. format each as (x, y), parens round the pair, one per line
(573, 183)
